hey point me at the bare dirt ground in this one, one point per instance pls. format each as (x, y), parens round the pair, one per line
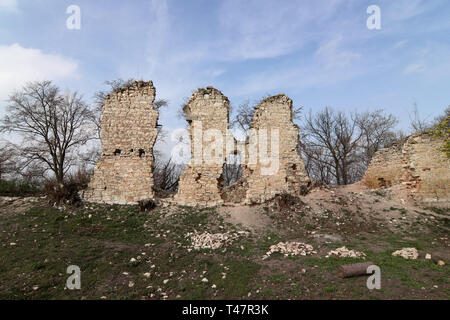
(175, 252)
(246, 216)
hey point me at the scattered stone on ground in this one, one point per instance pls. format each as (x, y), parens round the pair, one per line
(343, 252)
(438, 260)
(407, 253)
(213, 241)
(290, 248)
(441, 263)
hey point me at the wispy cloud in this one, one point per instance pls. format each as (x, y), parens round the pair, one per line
(414, 68)
(9, 5)
(333, 56)
(265, 29)
(19, 65)
(307, 49)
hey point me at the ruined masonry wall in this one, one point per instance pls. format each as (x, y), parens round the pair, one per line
(379, 174)
(428, 170)
(199, 182)
(276, 113)
(129, 130)
(418, 165)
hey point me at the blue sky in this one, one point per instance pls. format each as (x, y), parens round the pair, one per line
(320, 53)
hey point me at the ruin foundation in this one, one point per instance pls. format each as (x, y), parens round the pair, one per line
(123, 175)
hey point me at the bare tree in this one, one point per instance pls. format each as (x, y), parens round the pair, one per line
(331, 140)
(53, 127)
(232, 170)
(7, 159)
(417, 123)
(377, 133)
(243, 118)
(166, 175)
(337, 148)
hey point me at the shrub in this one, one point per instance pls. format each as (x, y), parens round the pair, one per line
(68, 193)
(17, 188)
(443, 130)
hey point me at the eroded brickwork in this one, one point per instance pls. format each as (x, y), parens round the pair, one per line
(129, 130)
(199, 183)
(418, 165)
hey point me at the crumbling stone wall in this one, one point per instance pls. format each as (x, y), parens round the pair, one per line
(123, 174)
(427, 170)
(199, 183)
(386, 167)
(276, 113)
(418, 165)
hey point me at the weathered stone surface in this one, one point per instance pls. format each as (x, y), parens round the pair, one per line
(199, 183)
(273, 122)
(407, 253)
(129, 130)
(343, 252)
(290, 248)
(276, 113)
(418, 165)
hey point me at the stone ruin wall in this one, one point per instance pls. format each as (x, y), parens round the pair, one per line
(379, 174)
(275, 113)
(123, 174)
(418, 165)
(428, 170)
(199, 183)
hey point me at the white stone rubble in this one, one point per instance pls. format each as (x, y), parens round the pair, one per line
(291, 248)
(407, 253)
(343, 252)
(213, 241)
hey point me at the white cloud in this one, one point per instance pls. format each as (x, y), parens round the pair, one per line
(265, 29)
(244, 30)
(400, 44)
(406, 9)
(20, 65)
(414, 68)
(333, 56)
(9, 5)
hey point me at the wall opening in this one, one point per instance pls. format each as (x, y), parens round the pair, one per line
(231, 170)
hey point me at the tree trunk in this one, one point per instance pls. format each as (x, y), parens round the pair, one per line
(354, 270)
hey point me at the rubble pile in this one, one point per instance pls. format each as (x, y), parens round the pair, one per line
(343, 252)
(290, 248)
(407, 253)
(213, 241)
